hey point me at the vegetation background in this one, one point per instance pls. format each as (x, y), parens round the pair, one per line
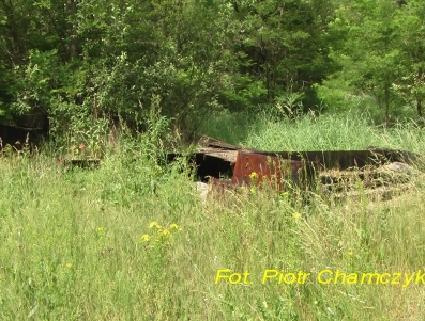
(87, 65)
(129, 80)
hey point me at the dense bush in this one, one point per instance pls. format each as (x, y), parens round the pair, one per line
(81, 61)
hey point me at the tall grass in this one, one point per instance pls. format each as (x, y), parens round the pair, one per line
(327, 131)
(335, 132)
(100, 244)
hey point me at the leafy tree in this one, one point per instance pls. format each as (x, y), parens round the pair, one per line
(107, 61)
(369, 54)
(411, 22)
(284, 43)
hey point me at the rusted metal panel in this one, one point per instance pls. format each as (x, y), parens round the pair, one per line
(228, 165)
(326, 159)
(252, 168)
(343, 159)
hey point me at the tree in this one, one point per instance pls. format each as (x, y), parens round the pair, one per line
(284, 43)
(369, 55)
(411, 23)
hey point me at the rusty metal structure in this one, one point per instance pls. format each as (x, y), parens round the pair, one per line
(229, 165)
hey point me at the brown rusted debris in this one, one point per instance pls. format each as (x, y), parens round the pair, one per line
(227, 165)
(256, 168)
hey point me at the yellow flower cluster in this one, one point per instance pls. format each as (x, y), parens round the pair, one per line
(253, 176)
(159, 232)
(100, 230)
(296, 216)
(145, 238)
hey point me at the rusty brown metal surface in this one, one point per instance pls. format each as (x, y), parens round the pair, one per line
(227, 165)
(253, 168)
(326, 159)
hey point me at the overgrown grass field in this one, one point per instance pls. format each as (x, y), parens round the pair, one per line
(131, 240)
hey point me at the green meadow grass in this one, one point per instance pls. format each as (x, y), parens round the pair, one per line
(335, 132)
(102, 244)
(327, 131)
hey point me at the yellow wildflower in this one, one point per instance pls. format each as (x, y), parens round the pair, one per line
(68, 265)
(100, 230)
(253, 175)
(154, 224)
(296, 216)
(174, 227)
(165, 232)
(145, 238)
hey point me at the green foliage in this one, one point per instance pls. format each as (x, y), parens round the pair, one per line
(109, 60)
(343, 131)
(38, 78)
(411, 86)
(379, 52)
(103, 61)
(369, 57)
